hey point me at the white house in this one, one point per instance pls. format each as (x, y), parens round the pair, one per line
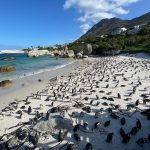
(135, 30)
(137, 27)
(118, 31)
(103, 36)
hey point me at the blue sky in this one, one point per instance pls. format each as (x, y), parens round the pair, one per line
(25, 23)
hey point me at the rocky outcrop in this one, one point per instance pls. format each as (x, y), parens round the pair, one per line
(5, 83)
(70, 53)
(85, 56)
(57, 53)
(64, 54)
(61, 53)
(9, 58)
(88, 49)
(79, 55)
(37, 53)
(7, 69)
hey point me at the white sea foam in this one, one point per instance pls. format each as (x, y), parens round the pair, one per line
(43, 70)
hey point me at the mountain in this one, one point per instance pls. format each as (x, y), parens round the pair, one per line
(106, 26)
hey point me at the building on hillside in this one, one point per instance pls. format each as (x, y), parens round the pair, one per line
(118, 31)
(102, 36)
(135, 30)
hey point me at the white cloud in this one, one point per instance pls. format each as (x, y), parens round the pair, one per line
(85, 27)
(125, 2)
(95, 17)
(121, 11)
(93, 11)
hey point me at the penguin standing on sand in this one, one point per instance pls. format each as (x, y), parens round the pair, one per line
(123, 121)
(29, 109)
(126, 138)
(109, 138)
(122, 132)
(138, 124)
(107, 123)
(88, 146)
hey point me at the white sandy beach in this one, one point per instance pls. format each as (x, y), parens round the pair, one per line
(31, 84)
(11, 51)
(97, 90)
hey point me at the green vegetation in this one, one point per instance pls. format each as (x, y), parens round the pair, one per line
(126, 43)
(76, 46)
(59, 47)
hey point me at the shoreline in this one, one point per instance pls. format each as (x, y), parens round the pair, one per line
(40, 71)
(8, 95)
(11, 52)
(17, 91)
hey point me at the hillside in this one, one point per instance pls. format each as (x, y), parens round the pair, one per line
(106, 26)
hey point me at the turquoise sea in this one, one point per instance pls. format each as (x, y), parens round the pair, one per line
(25, 66)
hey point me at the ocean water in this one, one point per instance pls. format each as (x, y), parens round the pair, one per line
(26, 66)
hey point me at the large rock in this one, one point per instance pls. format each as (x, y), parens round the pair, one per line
(37, 53)
(7, 69)
(88, 49)
(65, 54)
(9, 58)
(84, 56)
(58, 53)
(79, 55)
(70, 53)
(5, 83)
(55, 122)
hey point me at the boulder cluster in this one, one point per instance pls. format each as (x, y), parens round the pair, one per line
(57, 53)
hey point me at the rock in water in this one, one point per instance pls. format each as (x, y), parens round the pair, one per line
(8, 58)
(5, 83)
(7, 69)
